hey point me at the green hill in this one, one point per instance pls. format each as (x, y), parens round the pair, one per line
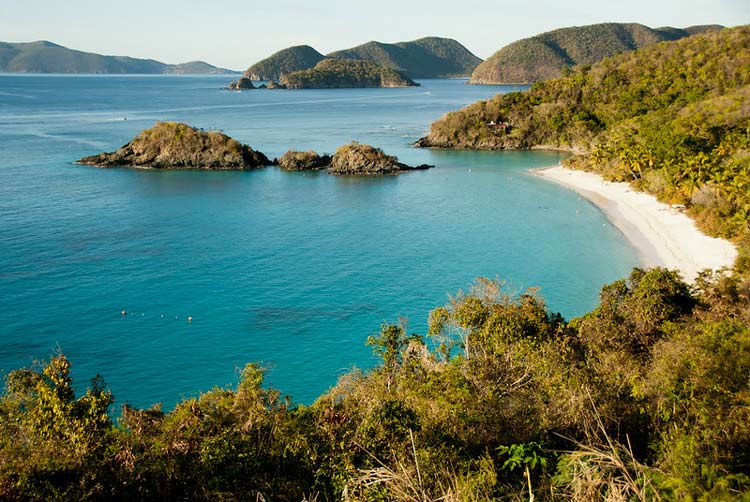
(47, 57)
(672, 118)
(291, 59)
(548, 55)
(430, 57)
(345, 73)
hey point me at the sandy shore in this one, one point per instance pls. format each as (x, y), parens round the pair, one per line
(662, 236)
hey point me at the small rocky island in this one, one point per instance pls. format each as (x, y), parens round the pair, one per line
(173, 145)
(294, 160)
(242, 83)
(345, 73)
(354, 158)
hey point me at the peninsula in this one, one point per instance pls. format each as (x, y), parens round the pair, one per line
(173, 145)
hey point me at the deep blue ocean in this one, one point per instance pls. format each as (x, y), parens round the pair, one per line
(293, 270)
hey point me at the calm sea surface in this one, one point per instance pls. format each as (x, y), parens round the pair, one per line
(293, 270)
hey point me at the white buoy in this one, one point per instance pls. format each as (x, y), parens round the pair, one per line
(124, 312)
(190, 318)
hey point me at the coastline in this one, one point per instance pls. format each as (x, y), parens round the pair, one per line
(661, 235)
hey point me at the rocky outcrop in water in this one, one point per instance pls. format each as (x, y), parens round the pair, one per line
(241, 84)
(173, 145)
(354, 158)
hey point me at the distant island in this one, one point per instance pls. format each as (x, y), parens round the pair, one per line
(48, 57)
(550, 54)
(345, 73)
(430, 57)
(353, 158)
(173, 145)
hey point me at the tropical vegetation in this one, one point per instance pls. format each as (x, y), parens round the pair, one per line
(672, 119)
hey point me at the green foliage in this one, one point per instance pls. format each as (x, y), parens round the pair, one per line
(644, 398)
(522, 455)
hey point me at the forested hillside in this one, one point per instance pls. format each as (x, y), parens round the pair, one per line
(673, 119)
(549, 54)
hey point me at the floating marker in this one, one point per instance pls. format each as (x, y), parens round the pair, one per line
(124, 312)
(190, 318)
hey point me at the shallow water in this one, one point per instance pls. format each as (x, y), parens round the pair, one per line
(294, 270)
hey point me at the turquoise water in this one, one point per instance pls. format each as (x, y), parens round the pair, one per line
(294, 270)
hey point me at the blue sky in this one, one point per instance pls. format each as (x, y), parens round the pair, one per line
(236, 33)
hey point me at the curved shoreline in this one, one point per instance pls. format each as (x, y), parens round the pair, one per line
(661, 235)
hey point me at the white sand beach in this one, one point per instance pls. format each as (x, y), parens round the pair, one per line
(663, 236)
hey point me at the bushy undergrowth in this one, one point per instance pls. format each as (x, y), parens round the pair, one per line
(644, 398)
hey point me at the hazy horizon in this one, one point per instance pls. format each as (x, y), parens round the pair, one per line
(242, 33)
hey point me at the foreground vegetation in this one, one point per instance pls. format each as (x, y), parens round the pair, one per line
(672, 119)
(644, 398)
